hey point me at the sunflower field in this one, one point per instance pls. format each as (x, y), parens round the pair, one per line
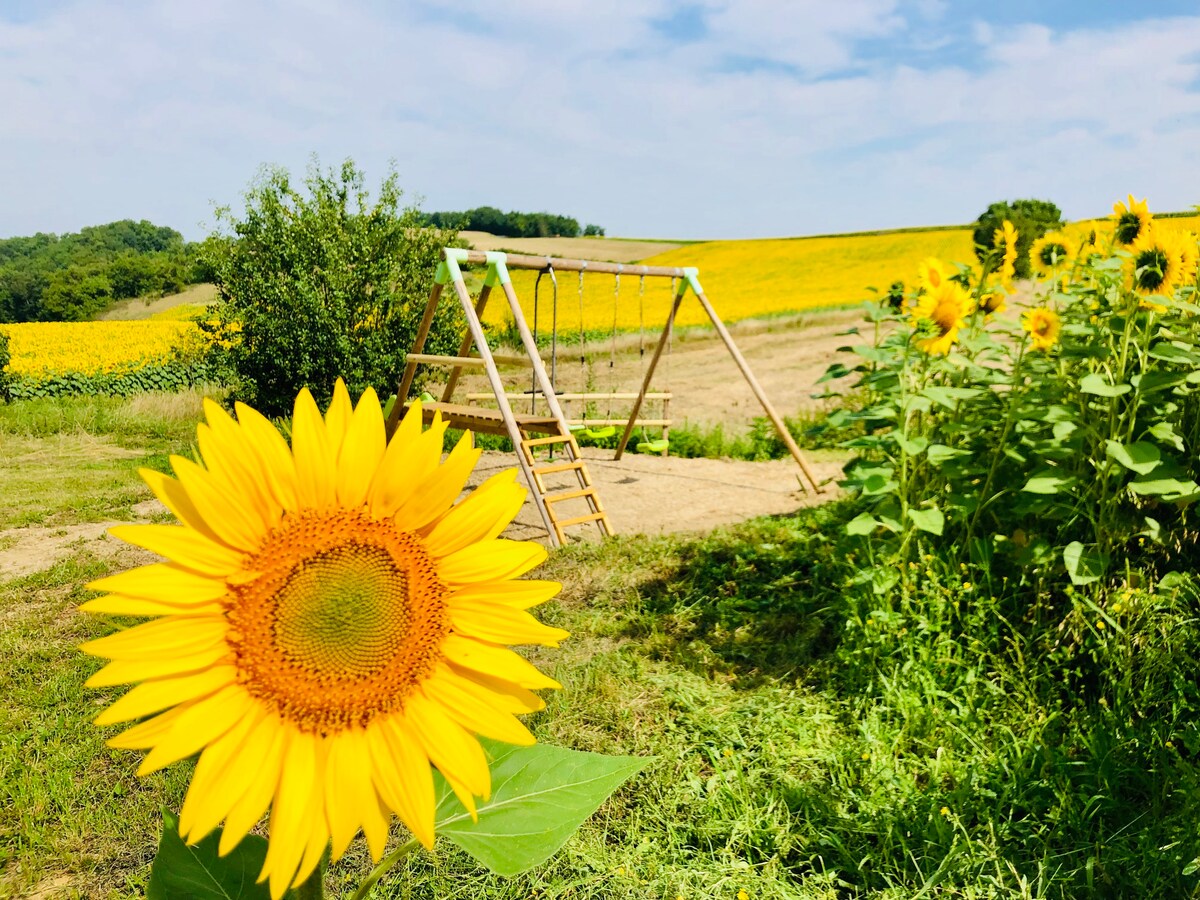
(115, 358)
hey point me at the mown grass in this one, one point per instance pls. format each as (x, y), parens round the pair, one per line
(75, 459)
(811, 738)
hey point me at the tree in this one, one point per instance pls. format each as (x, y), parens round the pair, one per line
(323, 284)
(1031, 218)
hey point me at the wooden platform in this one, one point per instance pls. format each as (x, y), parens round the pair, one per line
(485, 421)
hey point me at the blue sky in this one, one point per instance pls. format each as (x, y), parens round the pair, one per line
(708, 119)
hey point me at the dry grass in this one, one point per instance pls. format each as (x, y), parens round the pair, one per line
(619, 250)
(144, 308)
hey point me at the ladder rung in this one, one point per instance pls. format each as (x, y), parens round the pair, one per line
(557, 467)
(543, 441)
(579, 520)
(570, 495)
(652, 423)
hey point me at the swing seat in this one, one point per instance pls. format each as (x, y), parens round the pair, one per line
(597, 433)
(658, 446)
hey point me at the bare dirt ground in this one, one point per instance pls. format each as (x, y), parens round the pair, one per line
(642, 494)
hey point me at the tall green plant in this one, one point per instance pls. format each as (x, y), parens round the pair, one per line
(1063, 446)
(5, 374)
(1032, 219)
(320, 281)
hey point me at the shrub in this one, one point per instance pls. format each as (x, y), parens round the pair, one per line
(5, 374)
(328, 284)
(1031, 218)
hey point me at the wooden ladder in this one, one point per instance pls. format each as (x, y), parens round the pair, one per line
(550, 497)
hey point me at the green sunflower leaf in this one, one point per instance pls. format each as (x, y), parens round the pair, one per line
(200, 874)
(1095, 384)
(930, 520)
(1083, 565)
(863, 523)
(1141, 456)
(540, 796)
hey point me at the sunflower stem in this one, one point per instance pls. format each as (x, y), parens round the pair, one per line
(382, 869)
(314, 886)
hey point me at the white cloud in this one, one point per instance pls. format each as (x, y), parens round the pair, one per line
(154, 109)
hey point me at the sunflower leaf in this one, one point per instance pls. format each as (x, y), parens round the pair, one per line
(540, 796)
(198, 872)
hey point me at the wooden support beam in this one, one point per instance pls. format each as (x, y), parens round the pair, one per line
(410, 366)
(465, 347)
(522, 261)
(784, 434)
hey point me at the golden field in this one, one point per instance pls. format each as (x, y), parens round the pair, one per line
(746, 278)
(93, 348)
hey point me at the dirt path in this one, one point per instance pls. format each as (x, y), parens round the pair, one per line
(642, 494)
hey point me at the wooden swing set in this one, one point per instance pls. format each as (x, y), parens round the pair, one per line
(536, 432)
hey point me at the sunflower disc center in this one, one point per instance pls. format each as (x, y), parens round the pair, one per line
(344, 612)
(346, 617)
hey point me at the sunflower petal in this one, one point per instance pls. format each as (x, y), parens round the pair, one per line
(161, 638)
(155, 696)
(494, 560)
(400, 770)
(182, 546)
(517, 594)
(501, 624)
(163, 581)
(289, 813)
(315, 457)
(337, 416)
(498, 662)
(482, 516)
(411, 456)
(262, 762)
(219, 780)
(361, 452)
(470, 709)
(278, 466)
(124, 671)
(350, 796)
(145, 735)
(225, 513)
(435, 493)
(174, 496)
(451, 747)
(120, 605)
(199, 725)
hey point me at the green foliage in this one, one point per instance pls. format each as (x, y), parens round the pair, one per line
(322, 284)
(1042, 464)
(199, 873)
(1031, 218)
(72, 277)
(6, 376)
(173, 375)
(509, 224)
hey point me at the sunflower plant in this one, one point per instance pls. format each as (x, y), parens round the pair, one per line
(328, 638)
(1059, 440)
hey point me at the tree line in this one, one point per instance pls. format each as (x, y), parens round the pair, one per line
(511, 224)
(72, 277)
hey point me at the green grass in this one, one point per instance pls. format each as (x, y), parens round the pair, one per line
(75, 459)
(811, 738)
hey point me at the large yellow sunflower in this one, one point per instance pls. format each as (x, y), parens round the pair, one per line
(944, 309)
(1159, 262)
(328, 623)
(1051, 252)
(1004, 239)
(1043, 326)
(1132, 221)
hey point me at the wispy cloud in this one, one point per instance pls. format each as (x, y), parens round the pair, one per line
(713, 118)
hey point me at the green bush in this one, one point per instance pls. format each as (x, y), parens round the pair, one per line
(5, 359)
(324, 285)
(174, 375)
(1031, 218)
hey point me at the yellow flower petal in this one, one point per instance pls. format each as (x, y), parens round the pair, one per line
(226, 514)
(361, 452)
(350, 795)
(163, 581)
(498, 662)
(438, 491)
(264, 440)
(337, 416)
(481, 516)
(517, 594)
(120, 605)
(124, 671)
(162, 638)
(491, 561)
(262, 761)
(471, 707)
(182, 546)
(219, 782)
(171, 494)
(315, 457)
(159, 694)
(199, 725)
(501, 625)
(400, 770)
(411, 456)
